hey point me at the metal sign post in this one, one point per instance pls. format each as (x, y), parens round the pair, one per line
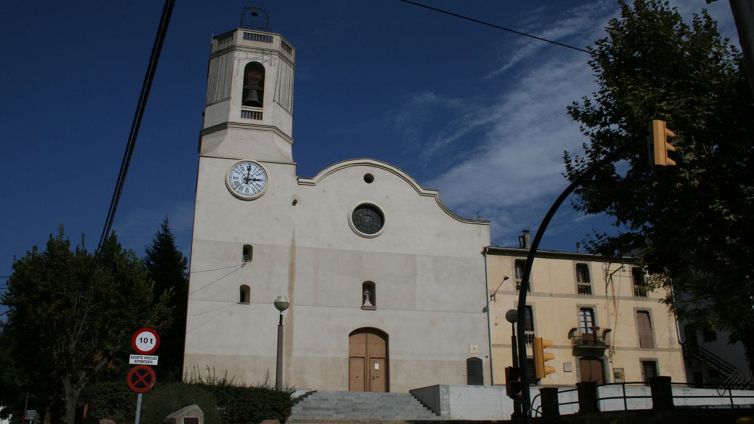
(142, 378)
(138, 409)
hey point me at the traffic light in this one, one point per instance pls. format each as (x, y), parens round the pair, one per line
(512, 382)
(660, 145)
(540, 357)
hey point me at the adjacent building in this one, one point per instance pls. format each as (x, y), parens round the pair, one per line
(605, 322)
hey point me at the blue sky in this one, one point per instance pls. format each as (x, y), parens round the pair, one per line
(477, 113)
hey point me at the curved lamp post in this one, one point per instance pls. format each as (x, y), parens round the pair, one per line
(281, 304)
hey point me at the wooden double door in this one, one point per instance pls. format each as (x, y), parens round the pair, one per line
(367, 361)
(592, 370)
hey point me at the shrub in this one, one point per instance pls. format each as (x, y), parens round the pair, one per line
(109, 400)
(247, 405)
(221, 399)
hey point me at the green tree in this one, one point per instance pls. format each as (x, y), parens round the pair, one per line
(691, 224)
(71, 315)
(167, 267)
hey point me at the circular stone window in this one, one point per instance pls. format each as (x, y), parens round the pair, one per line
(367, 220)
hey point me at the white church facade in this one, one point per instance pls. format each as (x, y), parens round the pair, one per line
(387, 286)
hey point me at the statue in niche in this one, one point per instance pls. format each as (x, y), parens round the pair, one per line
(366, 302)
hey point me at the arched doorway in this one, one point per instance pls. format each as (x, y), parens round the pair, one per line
(368, 361)
(591, 369)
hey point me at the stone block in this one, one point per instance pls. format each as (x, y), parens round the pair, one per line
(191, 414)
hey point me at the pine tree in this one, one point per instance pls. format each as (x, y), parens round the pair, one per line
(167, 267)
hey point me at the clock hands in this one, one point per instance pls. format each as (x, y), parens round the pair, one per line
(247, 178)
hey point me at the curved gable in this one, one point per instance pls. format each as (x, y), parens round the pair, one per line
(372, 163)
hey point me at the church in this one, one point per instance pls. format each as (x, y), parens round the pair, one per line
(386, 286)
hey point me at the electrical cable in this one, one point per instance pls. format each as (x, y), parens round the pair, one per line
(502, 28)
(216, 280)
(167, 11)
(216, 269)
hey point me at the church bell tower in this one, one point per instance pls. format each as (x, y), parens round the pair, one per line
(249, 106)
(243, 216)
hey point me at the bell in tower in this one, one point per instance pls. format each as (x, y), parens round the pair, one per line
(253, 85)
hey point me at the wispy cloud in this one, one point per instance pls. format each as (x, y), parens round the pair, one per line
(512, 175)
(517, 169)
(569, 29)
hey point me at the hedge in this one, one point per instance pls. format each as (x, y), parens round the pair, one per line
(222, 402)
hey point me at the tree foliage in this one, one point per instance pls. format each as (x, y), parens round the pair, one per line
(71, 315)
(691, 223)
(167, 267)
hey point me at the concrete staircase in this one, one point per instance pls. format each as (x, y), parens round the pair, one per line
(319, 407)
(732, 377)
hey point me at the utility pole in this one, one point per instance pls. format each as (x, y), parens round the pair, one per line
(743, 14)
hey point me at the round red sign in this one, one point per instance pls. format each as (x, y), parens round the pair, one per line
(145, 341)
(141, 379)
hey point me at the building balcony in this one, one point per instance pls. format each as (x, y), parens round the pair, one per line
(584, 288)
(640, 291)
(589, 344)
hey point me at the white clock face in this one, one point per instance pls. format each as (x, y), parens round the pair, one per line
(247, 180)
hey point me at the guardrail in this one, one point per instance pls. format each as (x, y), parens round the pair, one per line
(659, 394)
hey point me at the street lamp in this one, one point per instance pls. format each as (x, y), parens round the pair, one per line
(281, 304)
(512, 316)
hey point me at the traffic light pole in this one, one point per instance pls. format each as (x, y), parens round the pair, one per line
(521, 308)
(517, 413)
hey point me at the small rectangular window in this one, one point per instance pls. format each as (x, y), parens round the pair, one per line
(644, 324)
(529, 325)
(640, 284)
(586, 321)
(583, 279)
(529, 318)
(648, 370)
(518, 266)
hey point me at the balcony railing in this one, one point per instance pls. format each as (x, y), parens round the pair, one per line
(584, 288)
(593, 343)
(589, 340)
(518, 284)
(640, 291)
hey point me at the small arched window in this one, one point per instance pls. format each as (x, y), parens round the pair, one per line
(368, 295)
(244, 294)
(253, 85)
(246, 253)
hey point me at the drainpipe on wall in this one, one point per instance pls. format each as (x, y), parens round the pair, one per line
(487, 309)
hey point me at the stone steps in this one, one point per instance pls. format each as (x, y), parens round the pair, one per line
(364, 407)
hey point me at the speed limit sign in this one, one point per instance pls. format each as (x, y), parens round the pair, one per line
(145, 341)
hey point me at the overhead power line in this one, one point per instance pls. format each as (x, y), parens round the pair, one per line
(489, 24)
(162, 30)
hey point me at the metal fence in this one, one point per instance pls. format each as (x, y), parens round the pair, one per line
(637, 395)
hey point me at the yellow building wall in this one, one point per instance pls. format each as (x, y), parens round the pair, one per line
(555, 305)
